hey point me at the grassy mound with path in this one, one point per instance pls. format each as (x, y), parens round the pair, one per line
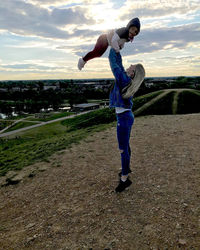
(39, 143)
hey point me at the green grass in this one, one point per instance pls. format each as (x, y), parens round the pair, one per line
(188, 102)
(39, 143)
(50, 116)
(19, 125)
(141, 100)
(102, 116)
(18, 117)
(98, 100)
(162, 106)
(4, 124)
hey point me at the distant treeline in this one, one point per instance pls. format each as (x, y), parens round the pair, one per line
(62, 83)
(154, 84)
(32, 96)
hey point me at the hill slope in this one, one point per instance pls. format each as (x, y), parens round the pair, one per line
(72, 205)
(168, 101)
(38, 144)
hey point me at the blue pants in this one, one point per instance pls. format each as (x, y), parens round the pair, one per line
(125, 121)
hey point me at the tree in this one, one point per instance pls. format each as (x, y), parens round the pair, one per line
(181, 82)
(6, 108)
(76, 99)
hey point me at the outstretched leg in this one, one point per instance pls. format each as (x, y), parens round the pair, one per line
(99, 49)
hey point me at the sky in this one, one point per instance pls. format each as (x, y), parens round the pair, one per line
(43, 39)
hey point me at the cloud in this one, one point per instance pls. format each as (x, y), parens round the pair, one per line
(17, 66)
(152, 40)
(31, 44)
(190, 60)
(157, 8)
(58, 31)
(49, 2)
(26, 19)
(65, 3)
(70, 16)
(26, 66)
(30, 68)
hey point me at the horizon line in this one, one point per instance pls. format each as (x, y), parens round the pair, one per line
(57, 79)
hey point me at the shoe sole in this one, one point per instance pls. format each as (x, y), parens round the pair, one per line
(134, 85)
(79, 65)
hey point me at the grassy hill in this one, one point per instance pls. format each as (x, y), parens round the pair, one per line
(39, 143)
(170, 101)
(188, 102)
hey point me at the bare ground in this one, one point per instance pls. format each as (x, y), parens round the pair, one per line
(72, 205)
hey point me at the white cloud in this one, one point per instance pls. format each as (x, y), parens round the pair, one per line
(63, 3)
(157, 8)
(31, 20)
(47, 36)
(26, 45)
(190, 60)
(151, 40)
(76, 15)
(32, 66)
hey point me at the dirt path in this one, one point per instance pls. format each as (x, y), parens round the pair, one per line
(72, 204)
(175, 101)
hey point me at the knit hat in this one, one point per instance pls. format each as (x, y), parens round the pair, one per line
(134, 22)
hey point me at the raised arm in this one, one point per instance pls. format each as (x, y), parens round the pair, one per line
(115, 42)
(117, 68)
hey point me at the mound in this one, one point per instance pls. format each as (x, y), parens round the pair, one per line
(188, 102)
(170, 101)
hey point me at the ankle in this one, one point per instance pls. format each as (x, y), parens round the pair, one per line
(124, 177)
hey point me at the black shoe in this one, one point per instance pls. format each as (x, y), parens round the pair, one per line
(129, 171)
(122, 185)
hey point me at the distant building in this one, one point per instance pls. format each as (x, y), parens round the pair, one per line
(149, 84)
(85, 106)
(65, 108)
(14, 89)
(85, 83)
(3, 90)
(50, 87)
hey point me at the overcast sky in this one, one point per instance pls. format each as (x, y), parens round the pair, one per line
(43, 39)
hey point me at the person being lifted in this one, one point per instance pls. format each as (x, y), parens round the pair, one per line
(114, 38)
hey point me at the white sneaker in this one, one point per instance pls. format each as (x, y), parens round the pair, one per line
(81, 63)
